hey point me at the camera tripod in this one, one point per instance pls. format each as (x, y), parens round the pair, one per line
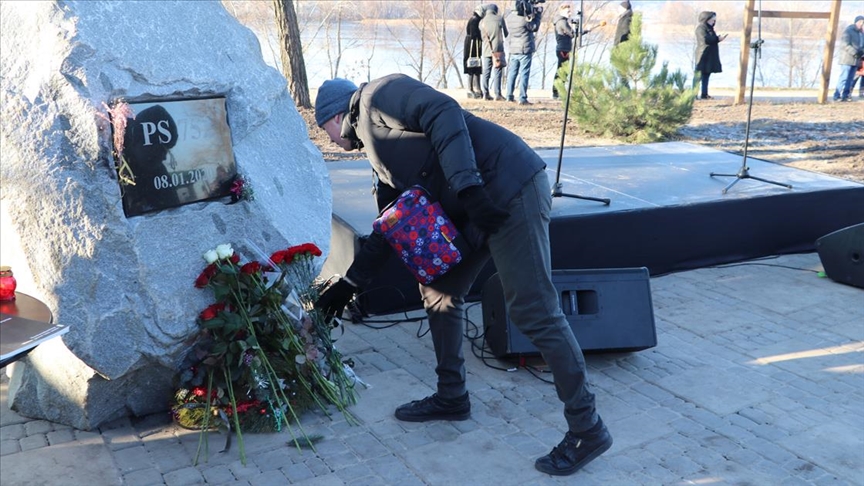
(744, 171)
(557, 188)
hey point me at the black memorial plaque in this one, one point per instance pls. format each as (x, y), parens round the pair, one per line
(178, 152)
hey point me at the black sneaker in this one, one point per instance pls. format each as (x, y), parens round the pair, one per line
(574, 452)
(435, 408)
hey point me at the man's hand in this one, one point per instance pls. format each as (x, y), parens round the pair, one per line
(333, 301)
(481, 210)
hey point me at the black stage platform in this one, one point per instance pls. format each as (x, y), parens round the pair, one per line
(667, 214)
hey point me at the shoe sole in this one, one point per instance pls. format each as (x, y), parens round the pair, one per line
(453, 417)
(579, 465)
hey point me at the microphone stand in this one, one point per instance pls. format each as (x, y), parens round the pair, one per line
(744, 171)
(557, 188)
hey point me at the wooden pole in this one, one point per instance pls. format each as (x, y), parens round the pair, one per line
(744, 57)
(828, 56)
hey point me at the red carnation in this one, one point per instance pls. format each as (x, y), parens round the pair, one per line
(251, 268)
(202, 281)
(211, 312)
(278, 257)
(235, 258)
(211, 270)
(312, 249)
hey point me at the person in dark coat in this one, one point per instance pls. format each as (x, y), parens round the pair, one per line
(474, 49)
(523, 26)
(850, 52)
(622, 30)
(564, 35)
(707, 50)
(485, 177)
(494, 31)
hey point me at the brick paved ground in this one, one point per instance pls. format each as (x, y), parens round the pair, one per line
(758, 378)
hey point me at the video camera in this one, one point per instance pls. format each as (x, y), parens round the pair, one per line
(529, 8)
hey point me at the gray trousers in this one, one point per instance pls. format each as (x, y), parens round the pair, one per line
(495, 73)
(520, 250)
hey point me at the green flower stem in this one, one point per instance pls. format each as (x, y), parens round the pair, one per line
(235, 415)
(284, 402)
(204, 440)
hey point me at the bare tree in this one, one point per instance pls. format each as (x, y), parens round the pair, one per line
(446, 44)
(802, 48)
(421, 26)
(291, 50)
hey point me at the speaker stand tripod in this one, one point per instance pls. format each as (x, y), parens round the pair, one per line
(557, 188)
(744, 171)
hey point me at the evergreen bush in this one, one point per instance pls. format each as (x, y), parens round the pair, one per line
(625, 100)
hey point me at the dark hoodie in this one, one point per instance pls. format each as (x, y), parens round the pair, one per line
(707, 54)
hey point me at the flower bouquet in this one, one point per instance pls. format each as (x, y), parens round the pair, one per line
(263, 354)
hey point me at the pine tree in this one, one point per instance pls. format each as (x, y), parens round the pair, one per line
(625, 100)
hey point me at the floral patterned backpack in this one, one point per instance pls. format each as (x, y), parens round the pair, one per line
(421, 234)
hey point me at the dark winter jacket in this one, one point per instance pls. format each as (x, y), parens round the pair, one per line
(851, 46)
(622, 31)
(707, 54)
(493, 30)
(521, 40)
(414, 134)
(473, 44)
(564, 34)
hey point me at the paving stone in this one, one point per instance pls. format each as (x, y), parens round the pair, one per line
(132, 459)
(339, 461)
(220, 474)
(360, 471)
(38, 427)
(273, 459)
(33, 442)
(273, 477)
(9, 446)
(244, 471)
(13, 432)
(366, 481)
(297, 472)
(121, 437)
(144, 477)
(317, 466)
(183, 477)
(169, 457)
(10, 417)
(366, 446)
(389, 468)
(61, 436)
(682, 465)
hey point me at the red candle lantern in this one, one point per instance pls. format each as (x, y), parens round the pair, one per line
(7, 284)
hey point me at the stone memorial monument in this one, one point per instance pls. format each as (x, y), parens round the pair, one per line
(124, 284)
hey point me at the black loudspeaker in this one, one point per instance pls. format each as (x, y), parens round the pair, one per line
(609, 310)
(842, 255)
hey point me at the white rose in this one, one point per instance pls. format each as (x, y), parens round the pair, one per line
(210, 256)
(224, 251)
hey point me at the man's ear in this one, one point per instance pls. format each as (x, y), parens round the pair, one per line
(338, 118)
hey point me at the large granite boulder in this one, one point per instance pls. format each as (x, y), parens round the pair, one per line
(123, 284)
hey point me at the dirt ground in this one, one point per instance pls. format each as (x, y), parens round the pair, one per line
(825, 138)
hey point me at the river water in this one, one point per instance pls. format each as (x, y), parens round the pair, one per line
(369, 53)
